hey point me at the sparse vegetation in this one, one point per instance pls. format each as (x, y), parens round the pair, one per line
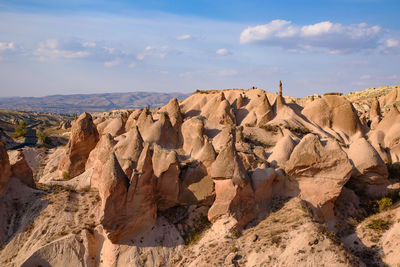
(43, 137)
(298, 130)
(384, 204)
(194, 235)
(379, 225)
(20, 130)
(333, 93)
(270, 128)
(66, 176)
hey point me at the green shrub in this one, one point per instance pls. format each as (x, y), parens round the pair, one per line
(379, 225)
(298, 130)
(20, 130)
(43, 137)
(270, 128)
(66, 176)
(384, 203)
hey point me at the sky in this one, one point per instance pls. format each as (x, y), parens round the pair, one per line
(318, 46)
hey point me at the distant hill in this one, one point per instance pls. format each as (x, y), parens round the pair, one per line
(78, 103)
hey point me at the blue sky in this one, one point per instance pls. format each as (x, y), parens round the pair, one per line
(54, 47)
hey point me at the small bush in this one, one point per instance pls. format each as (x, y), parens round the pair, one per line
(43, 137)
(66, 176)
(379, 225)
(20, 131)
(270, 128)
(384, 204)
(235, 233)
(298, 130)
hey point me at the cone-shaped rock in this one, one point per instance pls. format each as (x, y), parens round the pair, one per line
(174, 113)
(229, 166)
(166, 170)
(84, 137)
(369, 166)
(113, 192)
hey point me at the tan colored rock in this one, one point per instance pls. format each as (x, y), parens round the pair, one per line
(375, 113)
(113, 189)
(321, 170)
(195, 142)
(264, 111)
(228, 166)
(335, 112)
(166, 170)
(282, 150)
(219, 111)
(114, 127)
(234, 201)
(174, 113)
(369, 166)
(98, 158)
(160, 132)
(128, 150)
(20, 168)
(262, 179)
(133, 117)
(5, 170)
(84, 137)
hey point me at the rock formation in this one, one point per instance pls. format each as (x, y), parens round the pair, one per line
(84, 137)
(4, 168)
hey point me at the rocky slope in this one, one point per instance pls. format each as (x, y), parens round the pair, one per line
(233, 177)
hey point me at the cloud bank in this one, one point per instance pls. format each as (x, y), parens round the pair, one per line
(334, 37)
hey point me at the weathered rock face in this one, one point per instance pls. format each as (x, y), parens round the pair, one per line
(335, 112)
(84, 137)
(386, 136)
(195, 143)
(321, 170)
(98, 158)
(234, 194)
(369, 166)
(228, 166)
(5, 170)
(262, 179)
(282, 150)
(375, 113)
(113, 190)
(128, 150)
(20, 168)
(219, 111)
(166, 170)
(232, 200)
(174, 113)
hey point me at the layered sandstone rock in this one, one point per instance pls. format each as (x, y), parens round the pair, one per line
(5, 170)
(334, 112)
(369, 166)
(320, 170)
(84, 137)
(20, 168)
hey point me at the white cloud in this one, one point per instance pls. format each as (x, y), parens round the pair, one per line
(50, 50)
(7, 46)
(335, 37)
(159, 52)
(111, 63)
(391, 46)
(223, 52)
(184, 37)
(89, 44)
(132, 65)
(109, 50)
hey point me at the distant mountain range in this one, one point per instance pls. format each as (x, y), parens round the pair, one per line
(78, 103)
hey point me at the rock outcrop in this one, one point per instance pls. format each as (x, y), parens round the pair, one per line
(20, 168)
(84, 137)
(5, 170)
(369, 166)
(320, 170)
